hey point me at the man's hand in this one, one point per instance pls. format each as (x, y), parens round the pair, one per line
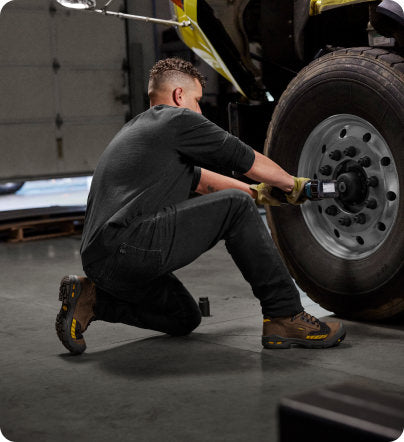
(264, 194)
(296, 196)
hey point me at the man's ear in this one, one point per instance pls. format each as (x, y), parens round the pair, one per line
(178, 96)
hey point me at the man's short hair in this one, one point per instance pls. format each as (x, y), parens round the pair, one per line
(166, 69)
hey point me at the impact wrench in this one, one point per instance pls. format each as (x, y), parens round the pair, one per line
(314, 190)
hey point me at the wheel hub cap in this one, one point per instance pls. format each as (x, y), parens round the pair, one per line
(350, 150)
(352, 187)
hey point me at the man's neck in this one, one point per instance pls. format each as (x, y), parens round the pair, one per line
(160, 100)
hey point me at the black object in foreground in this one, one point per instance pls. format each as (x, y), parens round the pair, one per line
(344, 412)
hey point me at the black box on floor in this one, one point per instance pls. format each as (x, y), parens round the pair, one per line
(341, 413)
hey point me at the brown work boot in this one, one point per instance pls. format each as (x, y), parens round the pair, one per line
(78, 301)
(301, 329)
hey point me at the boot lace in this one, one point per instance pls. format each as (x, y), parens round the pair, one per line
(306, 317)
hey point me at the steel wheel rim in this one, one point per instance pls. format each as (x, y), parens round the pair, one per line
(340, 133)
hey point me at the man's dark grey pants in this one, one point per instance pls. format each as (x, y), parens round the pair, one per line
(135, 284)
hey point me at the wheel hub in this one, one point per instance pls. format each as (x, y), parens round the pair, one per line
(352, 187)
(350, 150)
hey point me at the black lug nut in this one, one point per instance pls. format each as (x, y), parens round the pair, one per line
(372, 181)
(326, 170)
(331, 210)
(335, 155)
(360, 218)
(350, 151)
(345, 221)
(371, 204)
(364, 162)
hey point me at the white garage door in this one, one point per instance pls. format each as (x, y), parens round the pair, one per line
(62, 89)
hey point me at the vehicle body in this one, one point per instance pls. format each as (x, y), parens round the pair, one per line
(334, 73)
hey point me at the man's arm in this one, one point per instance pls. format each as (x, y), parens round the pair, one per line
(212, 182)
(262, 170)
(266, 171)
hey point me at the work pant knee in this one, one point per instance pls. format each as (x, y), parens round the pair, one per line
(239, 196)
(186, 325)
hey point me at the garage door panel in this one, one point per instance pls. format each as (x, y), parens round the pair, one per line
(83, 144)
(60, 75)
(74, 151)
(29, 5)
(30, 47)
(26, 93)
(27, 149)
(101, 91)
(85, 37)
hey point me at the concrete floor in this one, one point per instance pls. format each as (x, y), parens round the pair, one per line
(218, 384)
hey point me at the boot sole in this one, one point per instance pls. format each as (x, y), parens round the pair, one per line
(275, 341)
(69, 293)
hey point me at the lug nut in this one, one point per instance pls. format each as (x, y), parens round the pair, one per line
(371, 204)
(345, 221)
(335, 155)
(326, 170)
(360, 218)
(364, 162)
(350, 151)
(332, 210)
(372, 181)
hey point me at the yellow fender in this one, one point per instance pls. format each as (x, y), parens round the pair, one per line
(319, 6)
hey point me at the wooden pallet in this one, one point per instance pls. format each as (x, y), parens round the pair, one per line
(41, 228)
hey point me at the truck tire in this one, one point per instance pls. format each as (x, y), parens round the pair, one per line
(342, 117)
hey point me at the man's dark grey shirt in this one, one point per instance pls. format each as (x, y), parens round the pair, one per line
(154, 161)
